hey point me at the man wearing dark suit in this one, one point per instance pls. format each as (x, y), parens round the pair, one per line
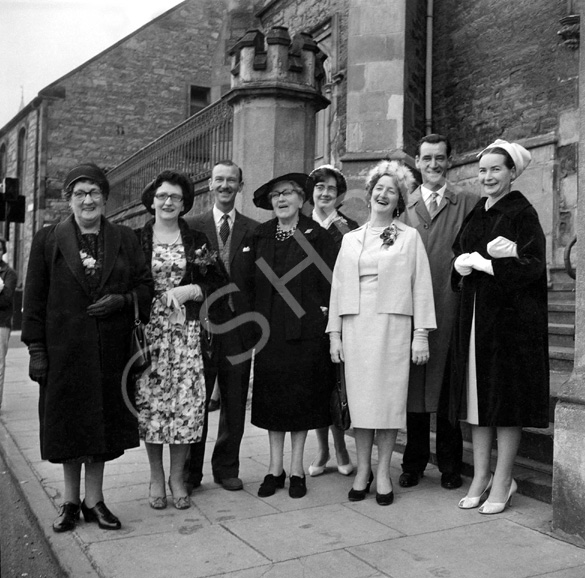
(230, 234)
(436, 210)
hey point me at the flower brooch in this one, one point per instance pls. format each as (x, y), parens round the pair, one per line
(88, 262)
(389, 235)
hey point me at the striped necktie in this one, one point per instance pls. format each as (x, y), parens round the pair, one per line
(433, 206)
(224, 230)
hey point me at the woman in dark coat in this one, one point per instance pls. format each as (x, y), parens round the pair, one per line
(77, 321)
(501, 363)
(170, 395)
(293, 375)
(325, 189)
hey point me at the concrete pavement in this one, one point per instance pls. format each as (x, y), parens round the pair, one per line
(238, 535)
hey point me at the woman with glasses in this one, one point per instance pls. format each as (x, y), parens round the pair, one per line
(77, 321)
(293, 376)
(170, 394)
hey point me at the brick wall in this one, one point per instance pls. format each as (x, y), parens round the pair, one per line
(500, 70)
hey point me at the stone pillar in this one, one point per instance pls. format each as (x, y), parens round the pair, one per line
(376, 71)
(569, 435)
(275, 94)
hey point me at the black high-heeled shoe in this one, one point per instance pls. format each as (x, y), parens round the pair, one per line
(68, 517)
(100, 514)
(359, 495)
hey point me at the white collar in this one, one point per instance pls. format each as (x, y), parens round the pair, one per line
(325, 223)
(426, 194)
(218, 216)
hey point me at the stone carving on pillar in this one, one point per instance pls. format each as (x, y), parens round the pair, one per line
(570, 31)
(276, 59)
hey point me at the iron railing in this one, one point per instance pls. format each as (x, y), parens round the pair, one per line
(193, 147)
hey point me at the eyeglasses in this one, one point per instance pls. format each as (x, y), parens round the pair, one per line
(287, 194)
(164, 196)
(80, 195)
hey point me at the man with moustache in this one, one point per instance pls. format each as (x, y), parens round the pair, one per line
(436, 210)
(230, 234)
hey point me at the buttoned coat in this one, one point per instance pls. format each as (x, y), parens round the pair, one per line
(241, 265)
(404, 279)
(438, 235)
(82, 407)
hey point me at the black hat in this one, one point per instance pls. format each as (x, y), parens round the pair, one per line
(261, 193)
(175, 178)
(88, 171)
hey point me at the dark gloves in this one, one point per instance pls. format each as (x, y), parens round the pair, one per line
(38, 366)
(108, 304)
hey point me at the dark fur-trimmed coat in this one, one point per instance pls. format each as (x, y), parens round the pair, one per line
(82, 408)
(511, 318)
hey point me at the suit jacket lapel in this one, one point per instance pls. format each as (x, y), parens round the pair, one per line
(67, 243)
(210, 230)
(238, 234)
(112, 242)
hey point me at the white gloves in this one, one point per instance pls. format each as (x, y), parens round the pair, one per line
(420, 346)
(462, 265)
(501, 247)
(176, 298)
(466, 262)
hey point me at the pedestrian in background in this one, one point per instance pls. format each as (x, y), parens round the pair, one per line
(8, 280)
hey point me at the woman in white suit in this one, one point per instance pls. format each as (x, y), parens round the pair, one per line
(381, 290)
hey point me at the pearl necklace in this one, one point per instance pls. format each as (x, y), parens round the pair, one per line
(159, 242)
(282, 235)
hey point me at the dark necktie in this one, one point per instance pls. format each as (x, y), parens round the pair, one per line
(224, 230)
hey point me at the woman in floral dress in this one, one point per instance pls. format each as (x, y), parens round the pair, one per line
(170, 394)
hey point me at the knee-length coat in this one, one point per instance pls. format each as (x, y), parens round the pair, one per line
(511, 318)
(82, 408)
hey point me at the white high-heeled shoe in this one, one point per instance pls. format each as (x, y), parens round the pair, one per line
(468, 503)
(317, 470)
(498, 507)
(346, 469)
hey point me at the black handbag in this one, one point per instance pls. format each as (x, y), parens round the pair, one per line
(338, 403)
(140, 357)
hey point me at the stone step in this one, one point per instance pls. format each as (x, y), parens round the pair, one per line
(561, 358)
(561, 312)
(562, 294)
(561, 334)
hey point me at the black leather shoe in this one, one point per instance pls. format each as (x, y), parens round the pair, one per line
(68, 517)
(385, 499)
(359, 495)
(451, 481)
(409, 479)
(100, 514)
(297, 487)
(270, 484)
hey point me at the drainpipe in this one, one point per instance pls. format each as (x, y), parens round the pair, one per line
(429, 71)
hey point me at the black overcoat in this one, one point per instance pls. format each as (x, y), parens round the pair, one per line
(82, 408)
(511, 328)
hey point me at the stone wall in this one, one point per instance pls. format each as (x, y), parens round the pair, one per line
(500, 70)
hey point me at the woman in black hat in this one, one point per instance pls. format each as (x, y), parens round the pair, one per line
(170, 395)
(293, 375)
(77, 321)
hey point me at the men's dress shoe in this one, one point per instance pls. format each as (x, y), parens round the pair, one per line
(385, 499)
(68, 517)
(214, 405)
(270, 484)
(451, 481)
(359, 495)
(297, 487)
(498, 507)
(231, 484)
(100, 514)
(409, 479)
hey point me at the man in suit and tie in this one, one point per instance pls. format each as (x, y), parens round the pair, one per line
(230, 234)
(436, 210)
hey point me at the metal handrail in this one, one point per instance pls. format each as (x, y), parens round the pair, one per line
(570, 270)
(193, 147)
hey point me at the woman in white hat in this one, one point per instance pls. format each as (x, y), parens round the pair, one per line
(501, 367)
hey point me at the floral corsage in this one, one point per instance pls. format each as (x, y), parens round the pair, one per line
(204, 258)
(88, 262)
(389, 235)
